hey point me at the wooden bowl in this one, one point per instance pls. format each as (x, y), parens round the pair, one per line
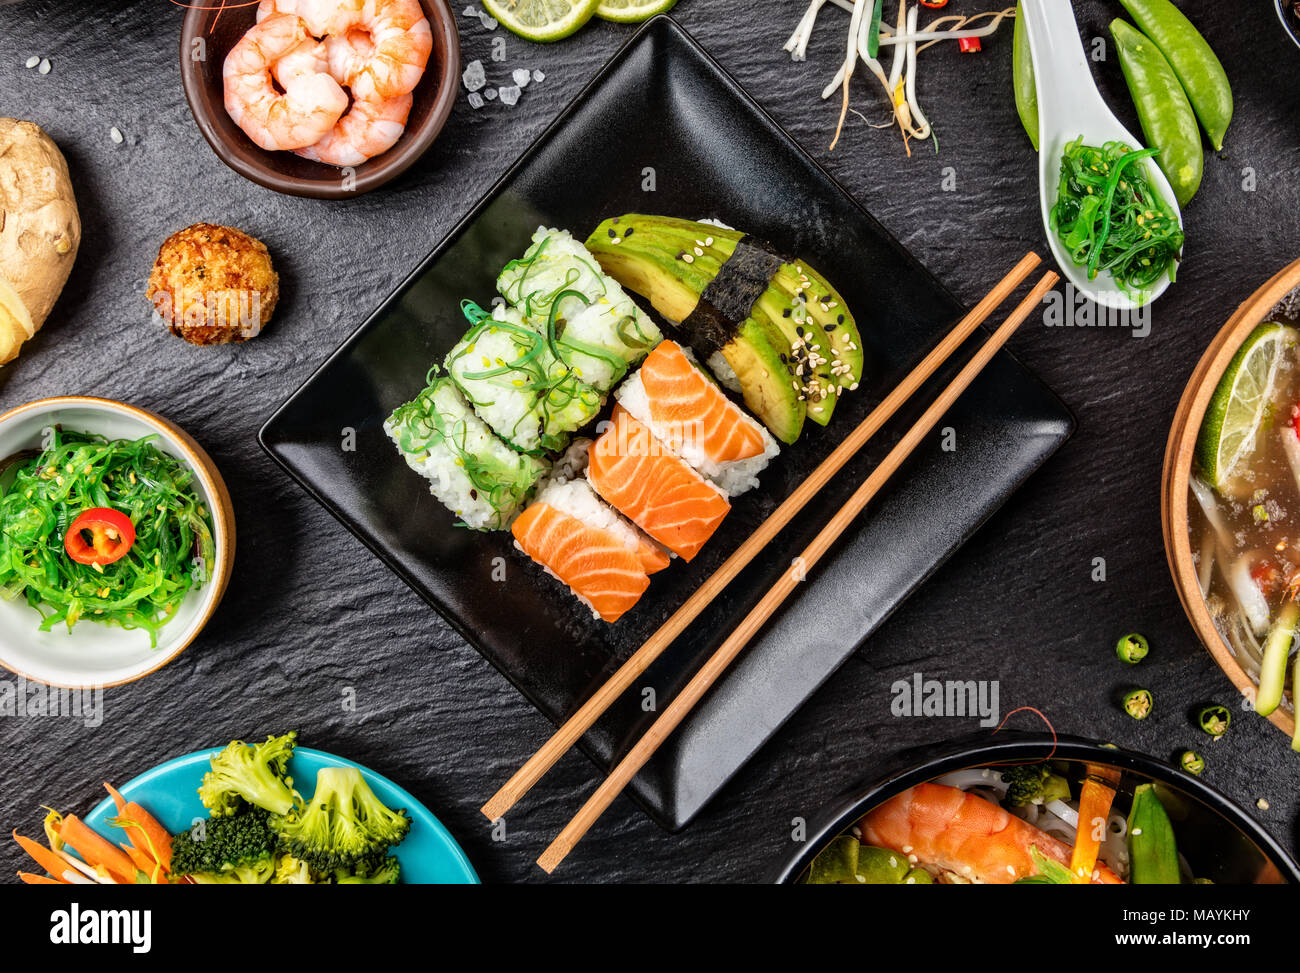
(210, 31)
(98, 656)
(1178, 468)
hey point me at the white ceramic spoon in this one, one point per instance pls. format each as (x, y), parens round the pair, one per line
(1069, 105)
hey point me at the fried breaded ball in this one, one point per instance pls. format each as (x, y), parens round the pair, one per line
(213, 285)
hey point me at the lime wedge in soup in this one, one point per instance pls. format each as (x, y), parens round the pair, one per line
(1242, 402)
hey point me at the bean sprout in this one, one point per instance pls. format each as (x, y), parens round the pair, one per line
(907, 39)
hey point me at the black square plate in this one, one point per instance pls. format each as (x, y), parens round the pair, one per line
(662, 104)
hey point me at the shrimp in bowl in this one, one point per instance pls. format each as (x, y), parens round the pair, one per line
(1061, 821)
(310, 104)
(330, 80)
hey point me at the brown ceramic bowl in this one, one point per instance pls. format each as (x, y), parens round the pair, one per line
(1178, 467)
(207, 36)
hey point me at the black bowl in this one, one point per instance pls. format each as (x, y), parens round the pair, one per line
(1230, 847)
(1290, 22)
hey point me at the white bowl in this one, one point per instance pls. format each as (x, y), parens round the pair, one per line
(95, 655)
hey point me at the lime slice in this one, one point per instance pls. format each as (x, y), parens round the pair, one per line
(1241, 402)
(632, 11)
(542, 20)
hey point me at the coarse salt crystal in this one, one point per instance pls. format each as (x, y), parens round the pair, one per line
(521, 76)
(539, 77)
(490, 94)
(474, 76)
(509, 94)
(475, 100)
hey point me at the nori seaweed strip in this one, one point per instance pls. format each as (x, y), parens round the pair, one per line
(730, 297)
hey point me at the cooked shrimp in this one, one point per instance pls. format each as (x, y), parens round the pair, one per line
(309, 57)
(970, 839)
(381, 50)
(308, 109)
(371, 127)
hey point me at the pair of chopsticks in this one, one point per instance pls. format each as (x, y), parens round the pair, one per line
(581, 721)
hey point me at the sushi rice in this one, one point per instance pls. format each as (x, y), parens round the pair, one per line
(475, 475)
(516, 384)
(560, 289)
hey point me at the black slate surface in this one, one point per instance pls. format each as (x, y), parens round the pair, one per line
(310, 614)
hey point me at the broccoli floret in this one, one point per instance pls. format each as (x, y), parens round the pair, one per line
(1034, 784)
(225, 845)
(255, 774)
(343, 825)
(385, 873)
(255, 874)
(291, 871)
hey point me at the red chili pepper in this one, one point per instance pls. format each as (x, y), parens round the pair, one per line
(968, 45)
(934, 4)
(111, 536)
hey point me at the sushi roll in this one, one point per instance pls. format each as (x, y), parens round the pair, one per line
(653, 487)
(517, 386)
(476, 476)
(689, 414)
(597, 329)
(577, 539)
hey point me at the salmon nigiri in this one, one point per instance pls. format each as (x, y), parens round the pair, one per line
(964, 836)
(653, 488)
(693, 417)
(606, 574)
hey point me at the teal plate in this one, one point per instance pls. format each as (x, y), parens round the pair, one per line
(428, 856)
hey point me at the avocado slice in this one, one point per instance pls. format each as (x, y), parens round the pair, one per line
(819, 329)
(673, 287)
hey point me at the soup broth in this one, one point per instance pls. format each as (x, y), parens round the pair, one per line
(1245, 535)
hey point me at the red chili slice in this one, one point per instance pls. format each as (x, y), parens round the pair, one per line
(969, 45)
(111, 536)
(934, 4)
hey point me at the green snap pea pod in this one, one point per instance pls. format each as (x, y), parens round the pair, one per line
(1272, 668)
(1153, 854)
(1022, 76)
(1168, 121)
(1194, 62)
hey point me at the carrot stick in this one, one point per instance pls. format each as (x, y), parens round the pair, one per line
(47, 859)
(30, 879)
(1095, 798)
(95, 851)
(145, 833)
(118, 800)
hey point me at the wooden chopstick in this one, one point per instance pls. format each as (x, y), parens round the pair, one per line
(702, 681)
(581, 721)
